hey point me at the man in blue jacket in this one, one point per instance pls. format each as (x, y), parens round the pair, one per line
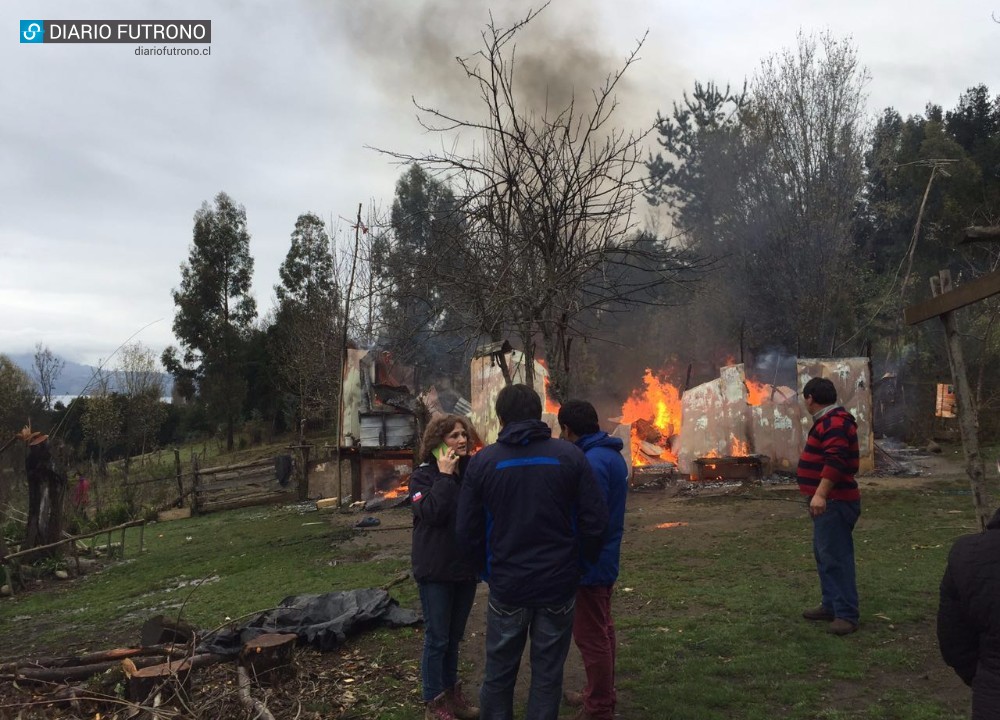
(593, 626)
(528, 509)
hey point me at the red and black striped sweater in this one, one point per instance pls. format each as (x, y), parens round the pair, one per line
(831, 452)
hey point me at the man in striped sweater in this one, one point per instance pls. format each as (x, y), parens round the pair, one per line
(826, 472)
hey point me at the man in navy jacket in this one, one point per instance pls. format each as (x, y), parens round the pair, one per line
(528, 509)
(593, 626)
(968, 621)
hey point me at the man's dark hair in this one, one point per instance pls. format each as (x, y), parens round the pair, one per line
(518, 402)
(821, 391)
(580, 417)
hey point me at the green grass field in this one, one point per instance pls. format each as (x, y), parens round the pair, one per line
(707, 614)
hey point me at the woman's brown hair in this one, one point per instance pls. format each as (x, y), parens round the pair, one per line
(441, 426)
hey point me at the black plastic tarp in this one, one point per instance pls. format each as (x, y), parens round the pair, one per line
(323, 621)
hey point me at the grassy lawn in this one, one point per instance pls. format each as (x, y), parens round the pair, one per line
(707, 614)
(208, 569)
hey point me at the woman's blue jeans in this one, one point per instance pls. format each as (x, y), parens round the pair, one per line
(833, 547)
(446, 608)
(507, 630)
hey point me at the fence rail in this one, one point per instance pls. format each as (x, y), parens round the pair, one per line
(246, 484)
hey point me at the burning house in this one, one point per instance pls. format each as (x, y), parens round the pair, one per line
(729, 428)
(733, 428)
(491, 368)
(378, 431)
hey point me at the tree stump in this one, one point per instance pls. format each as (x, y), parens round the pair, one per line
(268, 658)
(160, 629)
(169, 678)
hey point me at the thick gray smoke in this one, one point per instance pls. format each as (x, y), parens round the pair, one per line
(408, 49)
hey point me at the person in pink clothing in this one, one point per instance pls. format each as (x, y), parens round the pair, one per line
(81, 493)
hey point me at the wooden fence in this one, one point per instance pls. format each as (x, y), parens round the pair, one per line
(242, 485)
(11, 561)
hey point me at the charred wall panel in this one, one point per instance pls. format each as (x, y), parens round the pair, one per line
(852, 378)
(488, 381)
(777, 429)
(715, 419)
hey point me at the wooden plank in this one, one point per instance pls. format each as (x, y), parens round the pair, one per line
(238, 466)
(981, 234)
(257, 480)
(285, 497)
(246, 472)
(964, 294)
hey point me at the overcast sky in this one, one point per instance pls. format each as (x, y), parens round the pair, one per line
(106, 156)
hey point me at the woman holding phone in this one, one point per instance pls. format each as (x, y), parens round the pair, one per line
(445, 577)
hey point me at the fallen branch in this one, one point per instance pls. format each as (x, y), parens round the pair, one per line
(116, 654)
(78, 672)
(144, 681)
(401, 578)
(248, 701)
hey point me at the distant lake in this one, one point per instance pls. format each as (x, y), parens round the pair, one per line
(67, 399)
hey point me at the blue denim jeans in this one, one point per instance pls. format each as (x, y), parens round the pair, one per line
(446, 607)
(507, 630)
(833, 547)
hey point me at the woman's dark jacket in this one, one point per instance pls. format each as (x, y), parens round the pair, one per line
(969, 617)
(435, 553)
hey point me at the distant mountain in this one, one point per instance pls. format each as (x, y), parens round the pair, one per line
(75, 379)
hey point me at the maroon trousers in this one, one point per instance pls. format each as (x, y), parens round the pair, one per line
(594, 633)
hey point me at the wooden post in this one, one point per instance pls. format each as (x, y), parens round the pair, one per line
(10, 578)
(968, 421)
(195, 486)
(180, 482)
(944, 302)
(304, 474)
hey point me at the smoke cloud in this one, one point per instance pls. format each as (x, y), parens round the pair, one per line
(409, 49)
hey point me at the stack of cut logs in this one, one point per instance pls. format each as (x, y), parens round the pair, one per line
(161, 668)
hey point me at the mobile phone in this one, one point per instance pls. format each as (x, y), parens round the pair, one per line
(440, 450)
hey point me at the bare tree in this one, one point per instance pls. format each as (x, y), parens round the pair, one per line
(102, 420)
(46, 369)
(141, 385)
(804, 172)
(547, 201)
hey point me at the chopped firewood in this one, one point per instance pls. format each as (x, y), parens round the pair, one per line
(175, 675)
(269, 657)
(76, 672)
(94, 657)
(647, 431)
(653, 451)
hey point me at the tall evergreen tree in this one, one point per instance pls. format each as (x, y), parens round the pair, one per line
(304, 340)
(215, 310)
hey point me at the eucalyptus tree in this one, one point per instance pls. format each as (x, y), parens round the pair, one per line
(305, 336)
(215, 310)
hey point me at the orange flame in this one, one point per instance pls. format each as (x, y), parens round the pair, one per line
(757, 393)
(659, 405)
(551, 406)
(737, 447)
